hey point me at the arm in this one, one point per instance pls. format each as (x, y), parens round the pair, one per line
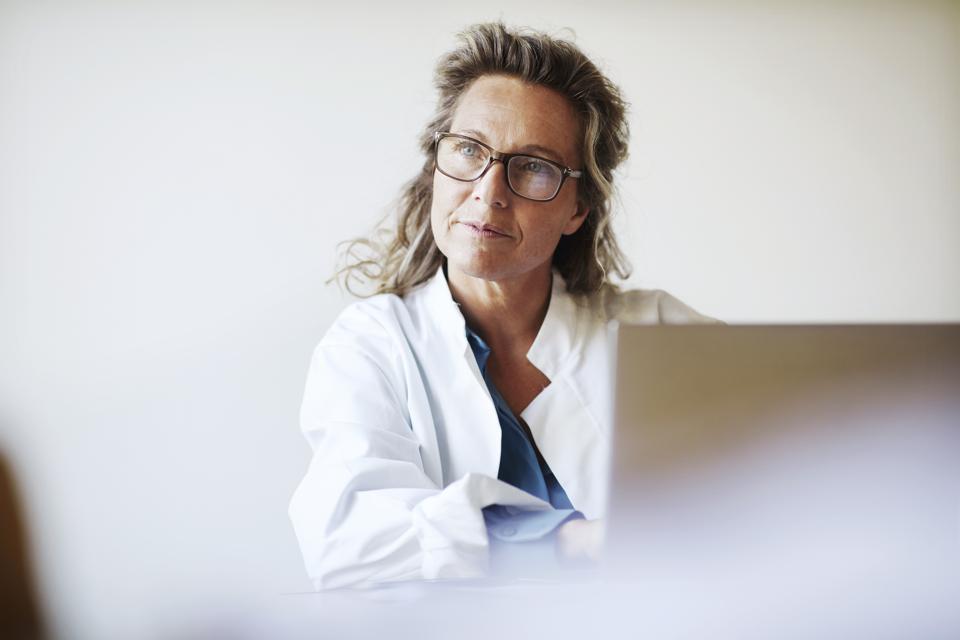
(366, 512)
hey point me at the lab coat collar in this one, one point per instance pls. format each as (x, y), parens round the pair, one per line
(551, 349)
(445, 312)
(554, 344)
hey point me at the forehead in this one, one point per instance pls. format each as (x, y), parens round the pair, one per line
(513, 116)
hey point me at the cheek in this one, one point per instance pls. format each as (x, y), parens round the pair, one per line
(443, 203)
(567, 219)
(444, 194)
(438, 207)
(448, 196)
(544, 226)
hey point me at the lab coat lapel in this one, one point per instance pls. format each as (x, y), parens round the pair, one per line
(564, 427)
(468, 427)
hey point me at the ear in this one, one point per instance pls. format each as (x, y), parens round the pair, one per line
(573, 224)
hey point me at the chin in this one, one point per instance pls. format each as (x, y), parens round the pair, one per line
(477, 268)
(491, 268)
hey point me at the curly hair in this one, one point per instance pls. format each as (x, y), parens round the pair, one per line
(396, 259)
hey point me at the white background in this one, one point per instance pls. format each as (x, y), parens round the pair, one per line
(174, 179)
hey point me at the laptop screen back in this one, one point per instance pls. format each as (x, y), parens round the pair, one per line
(791, 466)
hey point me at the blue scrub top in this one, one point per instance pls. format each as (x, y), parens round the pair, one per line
(522, 467)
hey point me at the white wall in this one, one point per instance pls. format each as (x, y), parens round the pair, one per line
(174, 178)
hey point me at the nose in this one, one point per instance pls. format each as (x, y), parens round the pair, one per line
(491, 188)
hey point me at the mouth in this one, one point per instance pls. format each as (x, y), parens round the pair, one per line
(482, 229)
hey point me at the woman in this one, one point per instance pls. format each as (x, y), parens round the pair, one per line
(469, 400)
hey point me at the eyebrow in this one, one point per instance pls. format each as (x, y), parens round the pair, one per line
(529, 148)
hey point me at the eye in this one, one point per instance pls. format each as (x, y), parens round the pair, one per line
(467, 149)
(534, 166)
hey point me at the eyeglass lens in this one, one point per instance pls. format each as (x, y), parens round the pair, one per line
(528, 176)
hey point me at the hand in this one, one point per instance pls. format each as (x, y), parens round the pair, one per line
(580, 540)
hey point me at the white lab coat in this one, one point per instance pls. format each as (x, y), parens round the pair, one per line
(406, 439)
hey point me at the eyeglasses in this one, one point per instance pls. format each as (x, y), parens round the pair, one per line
(465, 159)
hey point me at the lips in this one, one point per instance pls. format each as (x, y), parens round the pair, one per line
(483, 229)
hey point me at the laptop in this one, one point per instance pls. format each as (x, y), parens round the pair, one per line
(789, 478)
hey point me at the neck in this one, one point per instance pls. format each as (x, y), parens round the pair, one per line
(507, 313)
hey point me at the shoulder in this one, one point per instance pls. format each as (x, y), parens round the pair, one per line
(646, 306)
(362, 338)
(391, 317)
(363, 369)
(385, 329)
(377, 317)
(357, 370)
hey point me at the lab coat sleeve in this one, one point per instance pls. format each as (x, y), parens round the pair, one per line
(366, 512)
(511, 525)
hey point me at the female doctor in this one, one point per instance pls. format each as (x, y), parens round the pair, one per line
(469, 401)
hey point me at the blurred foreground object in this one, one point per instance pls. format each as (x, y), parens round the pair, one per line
(806, 478)
(19, 617)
